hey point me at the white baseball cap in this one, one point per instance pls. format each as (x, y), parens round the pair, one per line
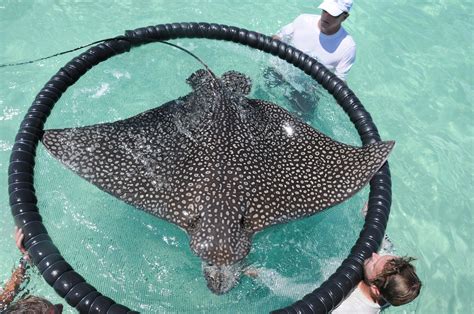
(336, 7)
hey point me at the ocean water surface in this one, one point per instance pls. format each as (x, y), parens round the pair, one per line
(414, 74)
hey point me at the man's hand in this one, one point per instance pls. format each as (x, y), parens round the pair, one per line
(19, 236)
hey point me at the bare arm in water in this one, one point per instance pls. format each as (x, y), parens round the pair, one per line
(18, 276)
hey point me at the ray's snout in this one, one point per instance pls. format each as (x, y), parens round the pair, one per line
(221, 279)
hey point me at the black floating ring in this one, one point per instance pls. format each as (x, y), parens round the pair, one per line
(72, 286)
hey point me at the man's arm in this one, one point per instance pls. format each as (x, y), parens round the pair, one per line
(285, 33)
(18, 276)
(12, 286)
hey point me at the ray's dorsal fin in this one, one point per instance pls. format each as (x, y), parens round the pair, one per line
(236, 82)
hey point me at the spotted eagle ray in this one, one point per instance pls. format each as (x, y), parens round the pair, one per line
(219, 165)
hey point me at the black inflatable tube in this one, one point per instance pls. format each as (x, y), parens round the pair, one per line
(75, 295)
(72, 286)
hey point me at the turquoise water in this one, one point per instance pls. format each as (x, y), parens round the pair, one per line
(413, 73)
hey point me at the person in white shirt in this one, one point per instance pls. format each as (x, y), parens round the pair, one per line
(323, 37)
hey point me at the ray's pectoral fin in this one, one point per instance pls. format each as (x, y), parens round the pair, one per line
(306, 171)
(338, 178)
(133, 159)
